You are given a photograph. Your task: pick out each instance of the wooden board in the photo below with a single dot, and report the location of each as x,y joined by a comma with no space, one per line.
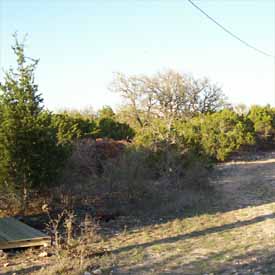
14,233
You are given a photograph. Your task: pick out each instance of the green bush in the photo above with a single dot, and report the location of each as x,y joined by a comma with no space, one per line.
109,128
70,128
31,157
160,133
263,119
218,135
106,112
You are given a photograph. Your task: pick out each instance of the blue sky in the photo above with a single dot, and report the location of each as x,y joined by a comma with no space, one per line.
82,43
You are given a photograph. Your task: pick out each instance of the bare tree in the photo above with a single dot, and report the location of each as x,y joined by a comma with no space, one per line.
168,95
241,109
204,96
131,88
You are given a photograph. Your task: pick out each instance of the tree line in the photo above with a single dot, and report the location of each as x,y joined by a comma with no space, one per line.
164,113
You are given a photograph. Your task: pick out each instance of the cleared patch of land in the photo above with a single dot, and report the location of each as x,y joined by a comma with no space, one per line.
234,235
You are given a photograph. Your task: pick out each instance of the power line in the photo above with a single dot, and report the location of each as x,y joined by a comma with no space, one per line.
229,32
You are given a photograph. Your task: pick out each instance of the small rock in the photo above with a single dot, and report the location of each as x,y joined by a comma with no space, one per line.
6,264
45,244
97,272
87,273
43,254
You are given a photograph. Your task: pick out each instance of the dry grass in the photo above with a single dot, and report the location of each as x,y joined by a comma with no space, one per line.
235,235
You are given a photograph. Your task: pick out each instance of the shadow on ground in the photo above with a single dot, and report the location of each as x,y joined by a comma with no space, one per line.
195,234
236,185
255,262
233,186
23,271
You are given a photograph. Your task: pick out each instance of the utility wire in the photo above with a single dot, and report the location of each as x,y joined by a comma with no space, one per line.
229,32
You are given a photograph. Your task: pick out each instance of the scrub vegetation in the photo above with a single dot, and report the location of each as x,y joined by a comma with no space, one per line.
148,188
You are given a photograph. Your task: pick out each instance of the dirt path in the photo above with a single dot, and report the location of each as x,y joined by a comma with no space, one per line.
238,239
247,183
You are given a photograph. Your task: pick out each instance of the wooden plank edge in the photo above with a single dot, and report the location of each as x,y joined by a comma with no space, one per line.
28,240
30,243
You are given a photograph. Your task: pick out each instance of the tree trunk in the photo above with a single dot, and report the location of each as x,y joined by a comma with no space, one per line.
25,198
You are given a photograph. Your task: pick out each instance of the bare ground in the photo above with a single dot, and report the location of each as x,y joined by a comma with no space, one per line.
235,235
